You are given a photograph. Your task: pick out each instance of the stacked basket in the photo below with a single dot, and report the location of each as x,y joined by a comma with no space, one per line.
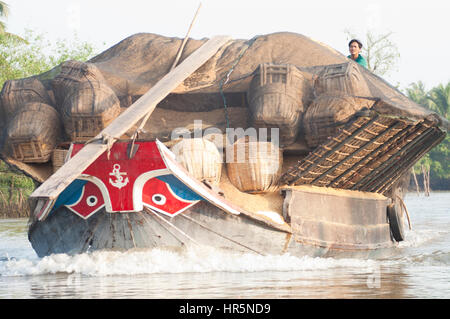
254,166
327,114
275,100
199,157
33,133
86,102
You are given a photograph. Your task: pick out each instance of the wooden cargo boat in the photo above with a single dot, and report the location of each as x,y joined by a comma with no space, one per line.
331,186
152,201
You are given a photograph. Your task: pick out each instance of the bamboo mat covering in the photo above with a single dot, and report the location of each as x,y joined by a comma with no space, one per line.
369,154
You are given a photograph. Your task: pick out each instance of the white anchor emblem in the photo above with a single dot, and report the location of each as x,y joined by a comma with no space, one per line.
119,182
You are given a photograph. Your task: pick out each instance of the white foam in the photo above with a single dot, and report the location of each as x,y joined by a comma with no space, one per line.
418,237
192,260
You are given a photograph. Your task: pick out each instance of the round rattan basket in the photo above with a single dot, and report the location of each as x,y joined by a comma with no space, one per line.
200,157
253,166
275,99
33,133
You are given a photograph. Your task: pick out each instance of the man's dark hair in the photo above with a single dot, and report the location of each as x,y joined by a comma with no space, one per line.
357,41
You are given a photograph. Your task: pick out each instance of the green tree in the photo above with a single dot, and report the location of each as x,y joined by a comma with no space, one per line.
418,93
36,54
4,10
438,159
20,58
439,99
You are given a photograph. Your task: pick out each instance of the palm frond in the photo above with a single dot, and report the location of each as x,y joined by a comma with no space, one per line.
4,9
440,99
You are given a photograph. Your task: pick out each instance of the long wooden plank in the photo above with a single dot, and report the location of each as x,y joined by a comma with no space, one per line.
53,186
166,85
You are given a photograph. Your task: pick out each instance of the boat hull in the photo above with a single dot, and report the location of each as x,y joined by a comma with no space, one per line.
202,224
150,201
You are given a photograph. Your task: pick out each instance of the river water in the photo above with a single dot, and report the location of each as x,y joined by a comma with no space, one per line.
418,268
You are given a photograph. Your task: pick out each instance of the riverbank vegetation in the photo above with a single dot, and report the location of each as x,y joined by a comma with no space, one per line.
14,191
432,172
23,56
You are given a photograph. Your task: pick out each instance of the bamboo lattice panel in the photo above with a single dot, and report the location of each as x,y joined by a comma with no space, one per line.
368,154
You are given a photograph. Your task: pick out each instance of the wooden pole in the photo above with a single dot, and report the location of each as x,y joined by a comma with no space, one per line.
426,186
180,50
415,181
131,151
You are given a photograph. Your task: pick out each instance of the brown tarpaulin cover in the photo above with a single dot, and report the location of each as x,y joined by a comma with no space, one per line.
135,64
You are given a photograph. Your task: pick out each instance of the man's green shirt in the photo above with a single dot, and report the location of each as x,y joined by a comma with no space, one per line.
360,59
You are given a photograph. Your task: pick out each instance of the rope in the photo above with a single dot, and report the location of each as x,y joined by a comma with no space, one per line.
226,78
177,58
223,236
105,139
173,226
402,203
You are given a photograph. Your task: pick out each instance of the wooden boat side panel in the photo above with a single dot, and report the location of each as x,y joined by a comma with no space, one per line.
242,233
203,224
72,234
356,222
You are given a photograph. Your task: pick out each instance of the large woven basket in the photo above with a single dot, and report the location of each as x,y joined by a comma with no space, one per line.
343,78
275,99
252,166
327,114
86,102
200,157
71,74
16,93
88,108
33,133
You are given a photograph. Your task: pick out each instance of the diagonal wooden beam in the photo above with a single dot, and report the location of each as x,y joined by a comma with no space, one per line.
53,186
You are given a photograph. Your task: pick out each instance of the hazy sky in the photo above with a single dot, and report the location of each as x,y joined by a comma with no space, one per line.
421,28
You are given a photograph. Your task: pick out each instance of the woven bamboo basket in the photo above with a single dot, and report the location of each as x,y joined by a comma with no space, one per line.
71,74
33,133
200,157
275,99
252,166
344,78
58,158
16,93
327,114
88,109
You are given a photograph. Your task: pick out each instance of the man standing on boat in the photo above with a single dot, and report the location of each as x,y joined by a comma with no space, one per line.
355,47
